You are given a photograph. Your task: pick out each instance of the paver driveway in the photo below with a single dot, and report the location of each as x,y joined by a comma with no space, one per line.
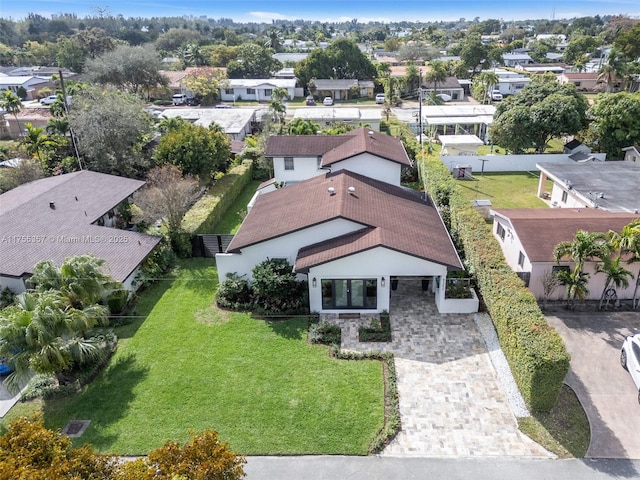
451,403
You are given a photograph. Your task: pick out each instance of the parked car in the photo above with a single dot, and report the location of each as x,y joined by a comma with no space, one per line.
5,369
179,99
51,99
444,97
630,358
380,98
328,101
310,101
193,101
496,95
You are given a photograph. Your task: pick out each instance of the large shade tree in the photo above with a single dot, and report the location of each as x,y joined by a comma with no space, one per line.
541,111
111,128
253,61
343,59
614,124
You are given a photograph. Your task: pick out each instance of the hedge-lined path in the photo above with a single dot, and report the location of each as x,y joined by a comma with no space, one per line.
451,403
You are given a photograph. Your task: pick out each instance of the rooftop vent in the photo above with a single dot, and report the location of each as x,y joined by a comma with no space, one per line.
52,205
371,133
331,190
352,190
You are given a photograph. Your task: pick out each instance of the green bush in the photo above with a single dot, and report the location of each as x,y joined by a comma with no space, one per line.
325,333
276,290
209,210
117,301
536,354
181,243
379,331
157,263
234,293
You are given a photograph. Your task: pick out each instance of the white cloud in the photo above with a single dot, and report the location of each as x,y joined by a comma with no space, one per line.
269,16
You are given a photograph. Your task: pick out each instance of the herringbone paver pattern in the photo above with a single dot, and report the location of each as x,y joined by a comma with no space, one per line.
450,399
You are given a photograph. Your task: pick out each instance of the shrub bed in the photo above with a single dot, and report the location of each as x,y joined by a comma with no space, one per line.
209,210
325,333
379,331
536,353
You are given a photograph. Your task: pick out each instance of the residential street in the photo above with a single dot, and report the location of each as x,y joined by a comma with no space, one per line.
392,468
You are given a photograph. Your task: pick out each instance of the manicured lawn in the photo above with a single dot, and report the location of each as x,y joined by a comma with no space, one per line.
230,222
505,190
184,365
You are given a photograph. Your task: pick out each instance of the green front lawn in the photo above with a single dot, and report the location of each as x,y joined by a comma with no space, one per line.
505,190
184,365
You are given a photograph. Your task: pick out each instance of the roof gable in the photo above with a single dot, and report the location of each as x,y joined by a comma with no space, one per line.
391,216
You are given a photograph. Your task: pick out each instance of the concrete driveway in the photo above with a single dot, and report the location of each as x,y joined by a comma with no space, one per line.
605,389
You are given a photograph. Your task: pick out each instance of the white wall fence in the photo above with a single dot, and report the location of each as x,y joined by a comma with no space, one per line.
507,163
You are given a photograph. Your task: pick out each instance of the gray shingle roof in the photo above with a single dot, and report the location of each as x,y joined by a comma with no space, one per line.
32,231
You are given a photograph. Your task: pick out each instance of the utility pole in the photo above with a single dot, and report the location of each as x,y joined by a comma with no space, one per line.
66,111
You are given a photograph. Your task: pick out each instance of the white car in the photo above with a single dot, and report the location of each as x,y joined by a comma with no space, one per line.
444,97
380,98
328,101
496,96
51,99
630,358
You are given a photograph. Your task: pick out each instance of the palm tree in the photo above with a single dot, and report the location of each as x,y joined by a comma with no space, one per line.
485,82
613,72
274,39
43,334
12,104
617,275
436,74
58,126
35,142
628,242
577,286
585,246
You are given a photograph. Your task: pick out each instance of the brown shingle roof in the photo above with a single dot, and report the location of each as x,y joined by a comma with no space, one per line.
32,231
335,148
391,216
541,229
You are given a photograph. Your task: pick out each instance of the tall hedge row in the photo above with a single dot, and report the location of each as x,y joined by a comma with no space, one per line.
535,351
208,211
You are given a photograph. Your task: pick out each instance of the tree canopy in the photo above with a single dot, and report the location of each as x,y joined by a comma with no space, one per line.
615,123
541,111
340,60
195,150
253,61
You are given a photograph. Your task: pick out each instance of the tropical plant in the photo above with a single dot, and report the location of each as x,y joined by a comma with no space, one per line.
585,246
42,333
482,84
10,103
35,142
437,74
627,241
617,275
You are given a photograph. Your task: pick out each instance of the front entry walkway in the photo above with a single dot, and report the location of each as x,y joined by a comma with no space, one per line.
451,403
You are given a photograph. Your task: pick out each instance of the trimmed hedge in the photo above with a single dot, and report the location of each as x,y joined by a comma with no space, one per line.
207,212
536,353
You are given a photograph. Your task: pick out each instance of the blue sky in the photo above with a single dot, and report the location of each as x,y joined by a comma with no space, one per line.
330,10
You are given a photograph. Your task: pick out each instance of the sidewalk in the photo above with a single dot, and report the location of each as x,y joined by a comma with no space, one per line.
392,468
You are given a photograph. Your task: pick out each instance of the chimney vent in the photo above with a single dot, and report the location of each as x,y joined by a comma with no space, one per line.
52,205
352,190
331,190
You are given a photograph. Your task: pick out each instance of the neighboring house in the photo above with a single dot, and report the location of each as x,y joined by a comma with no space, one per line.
554,57
237,123
258,89
509,83
458,119
175,79
349,236
590,183
513,59
632,154
65,216
556,68
30,83
528,237
584,82
327,116
373,154
37,116
451,86
285,57
342,89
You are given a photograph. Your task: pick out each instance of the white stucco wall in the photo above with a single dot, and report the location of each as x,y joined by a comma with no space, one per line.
509,163
512,246
286,246
303,169
371,264
371,166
